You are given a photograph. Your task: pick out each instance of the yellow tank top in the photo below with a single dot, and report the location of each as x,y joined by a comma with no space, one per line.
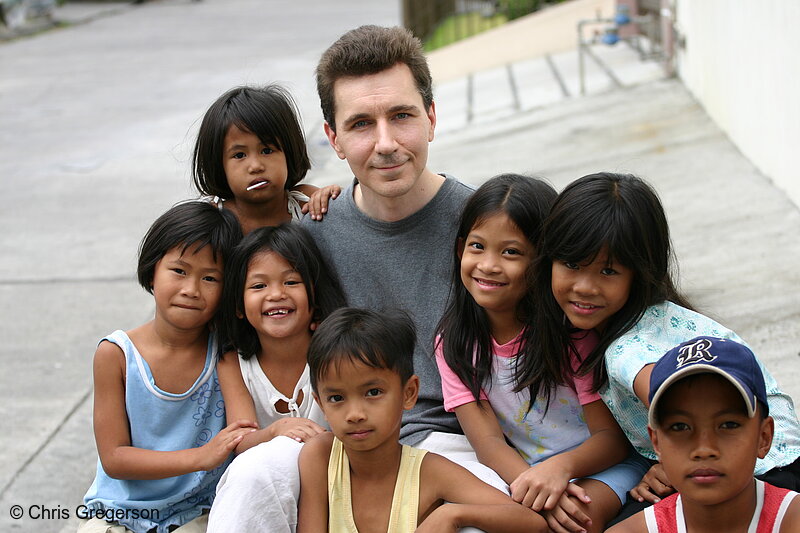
405,502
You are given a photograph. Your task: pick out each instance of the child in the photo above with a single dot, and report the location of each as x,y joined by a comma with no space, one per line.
360,478
491,367
612,274
250,154
278,289
708,422
159,420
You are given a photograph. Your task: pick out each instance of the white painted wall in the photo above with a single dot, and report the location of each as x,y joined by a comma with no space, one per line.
742,62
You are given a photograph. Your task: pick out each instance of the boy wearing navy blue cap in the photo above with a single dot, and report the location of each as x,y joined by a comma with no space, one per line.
709,421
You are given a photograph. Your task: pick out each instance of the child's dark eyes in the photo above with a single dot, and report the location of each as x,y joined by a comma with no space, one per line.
293,282
210,278
570,265
475,245
374,392
730,424
334,398
267,150
679,426
512,251
179,271
258,285
238,155
608,271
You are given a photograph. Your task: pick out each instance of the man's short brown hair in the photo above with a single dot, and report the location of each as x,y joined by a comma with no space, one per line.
369,50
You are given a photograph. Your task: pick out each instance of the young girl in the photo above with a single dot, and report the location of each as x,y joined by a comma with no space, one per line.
605,258
158,412
279,288
249,156
503,389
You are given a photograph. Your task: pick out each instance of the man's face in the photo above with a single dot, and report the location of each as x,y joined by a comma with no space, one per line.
382,129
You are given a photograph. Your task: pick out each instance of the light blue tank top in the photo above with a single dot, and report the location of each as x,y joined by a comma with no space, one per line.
163,421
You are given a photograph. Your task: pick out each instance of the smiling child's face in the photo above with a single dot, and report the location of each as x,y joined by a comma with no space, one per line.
706,442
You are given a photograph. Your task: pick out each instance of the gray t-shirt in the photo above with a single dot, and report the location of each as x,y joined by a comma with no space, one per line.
406,265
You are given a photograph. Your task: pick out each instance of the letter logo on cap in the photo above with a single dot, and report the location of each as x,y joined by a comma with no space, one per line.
695,353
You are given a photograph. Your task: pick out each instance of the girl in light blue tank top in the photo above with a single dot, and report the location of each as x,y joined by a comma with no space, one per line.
159,417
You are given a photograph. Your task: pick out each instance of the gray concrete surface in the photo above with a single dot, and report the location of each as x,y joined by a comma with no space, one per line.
97,123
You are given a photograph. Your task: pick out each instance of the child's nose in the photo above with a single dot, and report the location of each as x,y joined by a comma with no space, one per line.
190,287
705,445
585,285
256,165
489,264
355,413
275,291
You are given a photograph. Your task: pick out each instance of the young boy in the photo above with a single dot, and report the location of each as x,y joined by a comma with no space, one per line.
359,477
709,421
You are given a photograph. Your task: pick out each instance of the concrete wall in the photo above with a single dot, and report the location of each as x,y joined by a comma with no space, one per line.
742,62
549,31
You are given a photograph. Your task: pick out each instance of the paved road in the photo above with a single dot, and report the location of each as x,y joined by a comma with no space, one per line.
97,127
98,121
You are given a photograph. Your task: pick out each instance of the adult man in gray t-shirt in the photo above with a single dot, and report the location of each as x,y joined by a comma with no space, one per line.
390,237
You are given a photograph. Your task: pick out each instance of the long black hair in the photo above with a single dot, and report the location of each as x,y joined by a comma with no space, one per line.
622,213
464,331
297,247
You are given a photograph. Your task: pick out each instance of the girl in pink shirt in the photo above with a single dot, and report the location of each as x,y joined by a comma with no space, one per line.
489,376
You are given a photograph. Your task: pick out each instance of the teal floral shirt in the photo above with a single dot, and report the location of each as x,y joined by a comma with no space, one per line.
662,327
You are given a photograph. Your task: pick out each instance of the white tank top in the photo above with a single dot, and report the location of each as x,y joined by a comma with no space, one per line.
265,395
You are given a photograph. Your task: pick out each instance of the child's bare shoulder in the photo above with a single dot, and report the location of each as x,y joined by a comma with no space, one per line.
108,357
633,524
791,520
318,447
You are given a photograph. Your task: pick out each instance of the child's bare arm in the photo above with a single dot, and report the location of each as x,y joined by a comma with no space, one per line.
121,460
239,406
313,504
542,485
480,425
473,502
318,199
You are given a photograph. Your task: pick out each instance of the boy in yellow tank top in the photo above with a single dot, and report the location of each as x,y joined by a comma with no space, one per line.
359,478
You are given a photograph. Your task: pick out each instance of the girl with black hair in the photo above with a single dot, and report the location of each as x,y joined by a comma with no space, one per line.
538,428
250,156
605,264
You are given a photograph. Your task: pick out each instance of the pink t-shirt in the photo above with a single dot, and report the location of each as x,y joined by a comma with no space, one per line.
538,429
457,394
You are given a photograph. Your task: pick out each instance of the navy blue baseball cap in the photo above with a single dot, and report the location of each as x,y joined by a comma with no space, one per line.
710,355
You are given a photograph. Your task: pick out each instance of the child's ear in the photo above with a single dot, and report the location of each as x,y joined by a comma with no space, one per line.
410,392
765,436
654,439
460,248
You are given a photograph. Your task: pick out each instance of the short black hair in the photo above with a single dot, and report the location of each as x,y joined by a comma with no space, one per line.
267,112
187,224
297,247
383,340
